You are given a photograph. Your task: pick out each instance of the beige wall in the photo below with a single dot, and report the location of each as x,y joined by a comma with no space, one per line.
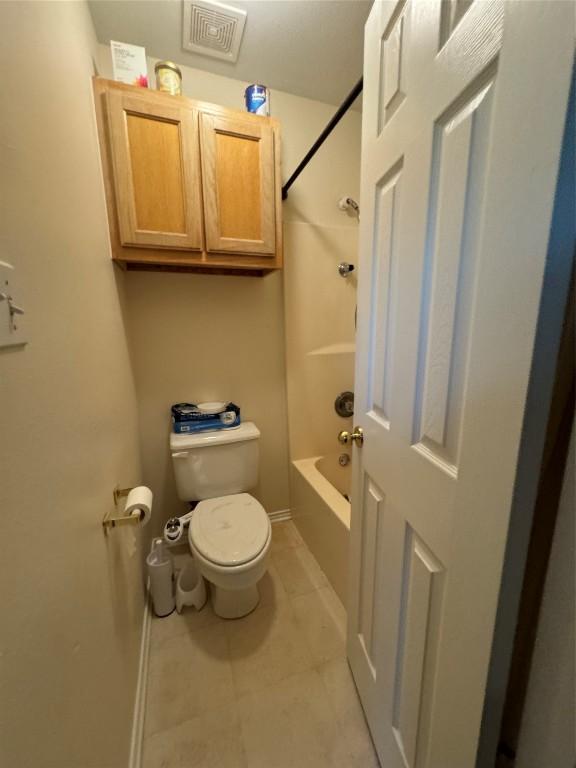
72,600
208,337
213,337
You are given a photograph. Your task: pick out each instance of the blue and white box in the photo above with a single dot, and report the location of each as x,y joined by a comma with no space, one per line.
188,417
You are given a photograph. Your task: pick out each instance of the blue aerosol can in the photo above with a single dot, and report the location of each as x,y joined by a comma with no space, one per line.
257,98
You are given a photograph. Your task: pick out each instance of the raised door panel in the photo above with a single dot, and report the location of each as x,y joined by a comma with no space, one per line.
238,185
155,153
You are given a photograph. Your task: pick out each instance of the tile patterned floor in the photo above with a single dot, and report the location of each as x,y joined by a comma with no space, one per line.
271,690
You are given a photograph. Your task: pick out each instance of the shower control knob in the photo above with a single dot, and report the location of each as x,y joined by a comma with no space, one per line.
344,268
357,436
344,404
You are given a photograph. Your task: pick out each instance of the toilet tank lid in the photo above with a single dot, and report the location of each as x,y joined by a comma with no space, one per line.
183,442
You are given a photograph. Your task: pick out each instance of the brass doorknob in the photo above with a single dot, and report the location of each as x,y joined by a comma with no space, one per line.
357,436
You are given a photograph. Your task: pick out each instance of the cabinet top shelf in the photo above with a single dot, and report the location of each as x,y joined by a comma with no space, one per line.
160,97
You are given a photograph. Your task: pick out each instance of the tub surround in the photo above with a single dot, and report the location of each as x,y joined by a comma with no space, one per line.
320,310
320,307
322,515
338,475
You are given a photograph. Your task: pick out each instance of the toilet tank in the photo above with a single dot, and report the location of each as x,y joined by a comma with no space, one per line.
210,464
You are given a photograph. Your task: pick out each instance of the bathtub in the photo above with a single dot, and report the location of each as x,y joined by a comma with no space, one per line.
321,512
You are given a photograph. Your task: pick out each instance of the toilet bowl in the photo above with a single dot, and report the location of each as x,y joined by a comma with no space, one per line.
229,532
229,537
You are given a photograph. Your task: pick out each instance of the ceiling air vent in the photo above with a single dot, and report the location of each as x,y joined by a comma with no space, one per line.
213,29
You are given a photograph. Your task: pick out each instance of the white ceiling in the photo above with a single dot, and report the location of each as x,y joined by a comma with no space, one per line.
311,48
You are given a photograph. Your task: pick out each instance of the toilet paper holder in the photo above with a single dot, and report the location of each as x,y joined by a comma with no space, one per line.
111,520
120,493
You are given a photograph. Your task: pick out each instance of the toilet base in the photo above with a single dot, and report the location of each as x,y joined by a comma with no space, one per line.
234,603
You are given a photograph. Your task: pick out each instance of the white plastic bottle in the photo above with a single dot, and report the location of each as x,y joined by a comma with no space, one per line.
161,571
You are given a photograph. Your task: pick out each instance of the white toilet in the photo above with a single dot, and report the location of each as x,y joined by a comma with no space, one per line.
229,532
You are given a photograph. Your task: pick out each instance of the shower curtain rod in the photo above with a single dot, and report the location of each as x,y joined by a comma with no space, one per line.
339,114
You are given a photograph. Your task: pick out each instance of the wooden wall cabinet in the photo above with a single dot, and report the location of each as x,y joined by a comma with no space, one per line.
156,167
238,183
189,185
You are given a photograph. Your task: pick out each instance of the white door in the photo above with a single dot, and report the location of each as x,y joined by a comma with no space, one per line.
464,106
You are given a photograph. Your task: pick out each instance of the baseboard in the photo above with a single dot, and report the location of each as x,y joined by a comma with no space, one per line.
137,738
280,515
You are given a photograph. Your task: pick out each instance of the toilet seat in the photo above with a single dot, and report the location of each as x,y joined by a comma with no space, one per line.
229,530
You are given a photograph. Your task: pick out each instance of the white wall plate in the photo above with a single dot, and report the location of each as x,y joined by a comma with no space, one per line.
12,331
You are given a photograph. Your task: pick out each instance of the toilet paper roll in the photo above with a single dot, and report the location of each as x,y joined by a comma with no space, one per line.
139,502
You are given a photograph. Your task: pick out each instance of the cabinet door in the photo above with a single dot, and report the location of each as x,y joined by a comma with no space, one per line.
155,152
238,184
